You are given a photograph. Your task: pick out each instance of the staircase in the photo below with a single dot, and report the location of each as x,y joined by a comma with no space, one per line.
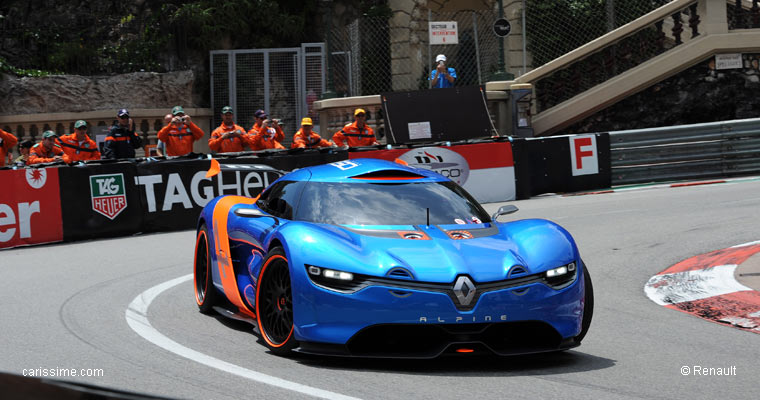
637,55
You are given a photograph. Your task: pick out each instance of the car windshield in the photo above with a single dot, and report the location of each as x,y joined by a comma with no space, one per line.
366,203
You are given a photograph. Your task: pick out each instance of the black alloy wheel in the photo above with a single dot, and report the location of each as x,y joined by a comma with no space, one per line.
274,303
205,294
588,304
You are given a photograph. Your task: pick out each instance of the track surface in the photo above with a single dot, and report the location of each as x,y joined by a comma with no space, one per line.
63,306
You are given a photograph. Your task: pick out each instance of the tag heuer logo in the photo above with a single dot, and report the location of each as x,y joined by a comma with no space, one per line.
109,196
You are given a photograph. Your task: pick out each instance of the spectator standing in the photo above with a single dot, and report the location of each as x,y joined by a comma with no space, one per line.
47,150
229,136
23,150
357,133
122,140
266,133
442,76
179,136
7,141
160,146
307,138
78,146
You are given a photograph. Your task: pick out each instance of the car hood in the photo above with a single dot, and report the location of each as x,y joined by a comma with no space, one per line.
489,255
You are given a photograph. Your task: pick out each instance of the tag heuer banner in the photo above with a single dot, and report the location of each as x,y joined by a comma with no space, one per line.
109,196
99,201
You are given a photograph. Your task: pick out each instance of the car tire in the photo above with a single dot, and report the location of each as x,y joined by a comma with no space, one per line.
588,304
206,295
274,303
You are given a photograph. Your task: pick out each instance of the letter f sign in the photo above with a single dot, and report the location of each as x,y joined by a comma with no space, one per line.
583,155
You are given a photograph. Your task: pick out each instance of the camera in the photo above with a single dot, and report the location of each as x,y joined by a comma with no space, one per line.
276,121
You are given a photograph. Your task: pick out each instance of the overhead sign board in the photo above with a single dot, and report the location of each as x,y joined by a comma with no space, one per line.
443,32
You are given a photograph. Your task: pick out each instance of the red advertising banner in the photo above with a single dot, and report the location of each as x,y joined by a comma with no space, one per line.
30,207
485,170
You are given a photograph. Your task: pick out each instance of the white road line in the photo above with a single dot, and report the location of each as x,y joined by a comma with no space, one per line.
137,318
746,244
693,285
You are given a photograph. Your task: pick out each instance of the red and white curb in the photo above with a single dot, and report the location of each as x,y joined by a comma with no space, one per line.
704,286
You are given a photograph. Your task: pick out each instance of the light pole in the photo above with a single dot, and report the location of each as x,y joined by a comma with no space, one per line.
330,91
501,74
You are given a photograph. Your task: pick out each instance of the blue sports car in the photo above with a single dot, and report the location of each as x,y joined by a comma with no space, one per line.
371,258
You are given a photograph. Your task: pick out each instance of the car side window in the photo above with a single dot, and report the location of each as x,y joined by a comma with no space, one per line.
281,198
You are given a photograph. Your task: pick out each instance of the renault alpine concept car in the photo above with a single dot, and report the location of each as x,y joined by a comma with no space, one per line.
372,258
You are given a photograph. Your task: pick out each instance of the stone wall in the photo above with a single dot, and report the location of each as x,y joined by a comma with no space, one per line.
697,95
74,93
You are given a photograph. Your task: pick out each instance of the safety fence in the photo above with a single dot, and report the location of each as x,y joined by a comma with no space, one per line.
373,55
103,199
553,30
718,149
283,81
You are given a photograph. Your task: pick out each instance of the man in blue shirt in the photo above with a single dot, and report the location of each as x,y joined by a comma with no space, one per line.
442,76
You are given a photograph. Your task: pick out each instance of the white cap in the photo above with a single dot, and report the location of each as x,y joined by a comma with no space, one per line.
440,57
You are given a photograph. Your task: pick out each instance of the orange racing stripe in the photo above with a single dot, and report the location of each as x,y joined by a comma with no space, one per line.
222,248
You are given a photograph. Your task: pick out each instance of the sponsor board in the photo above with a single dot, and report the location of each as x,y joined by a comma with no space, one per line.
30,207
108,194
485,170
168,192
173,194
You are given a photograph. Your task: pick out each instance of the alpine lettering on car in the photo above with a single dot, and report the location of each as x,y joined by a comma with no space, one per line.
473,318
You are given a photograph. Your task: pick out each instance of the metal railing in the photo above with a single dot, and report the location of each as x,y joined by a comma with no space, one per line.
717,149
668,27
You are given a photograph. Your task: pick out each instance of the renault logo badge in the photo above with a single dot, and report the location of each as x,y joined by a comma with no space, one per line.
464,289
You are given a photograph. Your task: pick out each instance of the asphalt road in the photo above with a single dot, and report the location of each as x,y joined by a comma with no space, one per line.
63,306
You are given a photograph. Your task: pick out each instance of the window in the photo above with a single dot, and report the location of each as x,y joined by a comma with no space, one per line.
281,198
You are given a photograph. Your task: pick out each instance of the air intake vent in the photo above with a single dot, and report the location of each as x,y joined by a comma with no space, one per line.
516,271
459,235
399,273
416,236
390,174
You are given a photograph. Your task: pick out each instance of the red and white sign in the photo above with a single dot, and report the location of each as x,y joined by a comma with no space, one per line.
30,207
443,32
584,159
485,170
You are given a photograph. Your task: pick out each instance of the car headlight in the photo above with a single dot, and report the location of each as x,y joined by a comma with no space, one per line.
562,276
331,273
561,270
332,279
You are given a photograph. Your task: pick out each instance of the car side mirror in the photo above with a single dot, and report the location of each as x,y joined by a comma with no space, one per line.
255,213
504,210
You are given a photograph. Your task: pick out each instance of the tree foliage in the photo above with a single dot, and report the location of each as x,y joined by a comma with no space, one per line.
91,37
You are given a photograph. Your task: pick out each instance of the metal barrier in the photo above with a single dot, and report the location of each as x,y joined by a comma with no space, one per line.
285,82
716,149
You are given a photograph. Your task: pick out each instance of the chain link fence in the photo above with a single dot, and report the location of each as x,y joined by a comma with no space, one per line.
554,30
372,55
285,82
375,55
